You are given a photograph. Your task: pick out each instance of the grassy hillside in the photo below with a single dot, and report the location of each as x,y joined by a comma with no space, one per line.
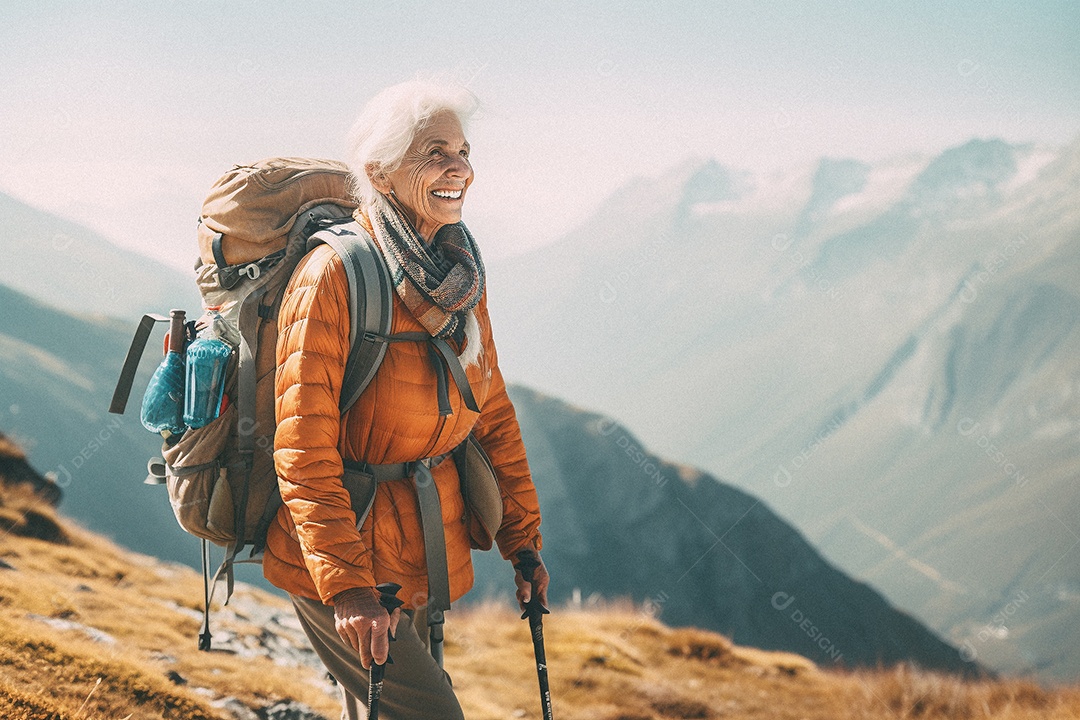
89,631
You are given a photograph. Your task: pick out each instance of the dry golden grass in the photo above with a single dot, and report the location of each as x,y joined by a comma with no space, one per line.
45,677
150,610
614,664
606,663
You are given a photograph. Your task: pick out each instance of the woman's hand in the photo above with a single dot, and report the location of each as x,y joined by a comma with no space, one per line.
364,624
539,584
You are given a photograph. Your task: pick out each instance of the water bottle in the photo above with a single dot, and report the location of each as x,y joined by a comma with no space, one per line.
163,402
207,360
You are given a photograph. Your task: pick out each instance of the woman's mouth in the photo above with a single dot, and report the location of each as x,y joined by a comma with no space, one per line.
447,194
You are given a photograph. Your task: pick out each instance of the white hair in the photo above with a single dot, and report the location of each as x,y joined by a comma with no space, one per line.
388,123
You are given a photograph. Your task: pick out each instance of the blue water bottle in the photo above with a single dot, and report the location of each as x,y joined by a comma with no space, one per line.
163,402
207,361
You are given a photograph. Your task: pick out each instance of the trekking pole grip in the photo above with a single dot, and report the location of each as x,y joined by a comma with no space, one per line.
389,600
526,564
177,332
535,611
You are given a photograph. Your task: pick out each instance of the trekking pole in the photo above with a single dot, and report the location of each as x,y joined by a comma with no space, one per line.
388,599
535,611
204,633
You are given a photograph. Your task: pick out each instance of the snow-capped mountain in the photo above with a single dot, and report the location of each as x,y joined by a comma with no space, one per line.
817,337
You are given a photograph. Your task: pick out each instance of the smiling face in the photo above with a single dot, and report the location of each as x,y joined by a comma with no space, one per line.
430,184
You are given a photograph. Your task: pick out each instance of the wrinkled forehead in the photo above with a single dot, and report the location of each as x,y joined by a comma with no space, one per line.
442,128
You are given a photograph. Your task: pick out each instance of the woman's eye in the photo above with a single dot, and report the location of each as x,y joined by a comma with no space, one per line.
435,152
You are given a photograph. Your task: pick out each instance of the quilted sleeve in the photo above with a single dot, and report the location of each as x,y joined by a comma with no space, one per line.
313,344
498,432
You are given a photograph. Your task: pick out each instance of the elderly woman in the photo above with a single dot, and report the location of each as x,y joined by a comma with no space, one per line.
410,162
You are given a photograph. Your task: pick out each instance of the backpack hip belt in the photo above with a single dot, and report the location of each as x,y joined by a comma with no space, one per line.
392,471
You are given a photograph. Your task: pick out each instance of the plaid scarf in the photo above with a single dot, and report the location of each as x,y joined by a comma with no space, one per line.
440,283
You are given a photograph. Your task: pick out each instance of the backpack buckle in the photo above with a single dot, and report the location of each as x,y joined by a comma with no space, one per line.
229,276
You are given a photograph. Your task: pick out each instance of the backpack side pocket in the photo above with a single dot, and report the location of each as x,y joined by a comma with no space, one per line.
196,475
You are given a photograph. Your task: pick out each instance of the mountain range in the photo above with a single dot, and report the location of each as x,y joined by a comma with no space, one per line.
884,352
887,353
621,522
703,552
57,373
71,267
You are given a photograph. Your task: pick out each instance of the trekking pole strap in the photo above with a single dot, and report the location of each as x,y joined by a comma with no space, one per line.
131,362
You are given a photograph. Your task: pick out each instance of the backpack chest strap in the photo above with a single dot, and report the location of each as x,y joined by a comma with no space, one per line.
443,359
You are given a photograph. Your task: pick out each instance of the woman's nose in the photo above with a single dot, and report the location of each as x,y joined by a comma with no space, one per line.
460,168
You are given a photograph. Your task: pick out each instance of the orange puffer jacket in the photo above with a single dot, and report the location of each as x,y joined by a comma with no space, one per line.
314,549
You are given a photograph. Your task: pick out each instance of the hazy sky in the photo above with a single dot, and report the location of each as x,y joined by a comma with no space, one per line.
121,115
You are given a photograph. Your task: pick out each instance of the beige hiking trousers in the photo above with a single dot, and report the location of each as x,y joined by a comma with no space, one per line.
414,688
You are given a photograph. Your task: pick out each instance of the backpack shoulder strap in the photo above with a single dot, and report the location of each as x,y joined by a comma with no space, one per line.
370,304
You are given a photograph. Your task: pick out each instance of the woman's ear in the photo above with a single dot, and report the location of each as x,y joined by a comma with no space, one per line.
378,178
